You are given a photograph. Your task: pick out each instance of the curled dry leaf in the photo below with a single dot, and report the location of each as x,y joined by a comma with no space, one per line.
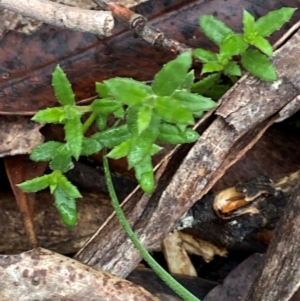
18,135
41,274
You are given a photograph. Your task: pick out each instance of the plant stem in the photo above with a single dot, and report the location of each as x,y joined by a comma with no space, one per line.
165,276
88,122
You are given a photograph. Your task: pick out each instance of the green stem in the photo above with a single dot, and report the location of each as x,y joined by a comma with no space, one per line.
165,276
84,109
88,122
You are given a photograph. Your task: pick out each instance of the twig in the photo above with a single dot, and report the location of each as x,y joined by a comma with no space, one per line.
97,22
138,24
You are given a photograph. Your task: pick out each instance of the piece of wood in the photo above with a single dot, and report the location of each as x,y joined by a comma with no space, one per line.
246,112
279,278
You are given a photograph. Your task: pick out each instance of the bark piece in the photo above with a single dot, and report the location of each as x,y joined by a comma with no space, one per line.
279,278
41,274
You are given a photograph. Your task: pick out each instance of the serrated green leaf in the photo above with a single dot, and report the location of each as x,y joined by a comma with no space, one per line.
273,21
35,184
50,115
206,83
132,116
233,69
217,92
113,136
120,150
214,29
171,134
188,80
249,26
45,151
127,90
143,118
194,102
212,67
102,90
169,78
258,64
74,136
62,159
105,106
233,45
62,87
169,109
141,145
68,188
205,56
66,207
101,121
263,45
147,181
90,146
144,174
155,149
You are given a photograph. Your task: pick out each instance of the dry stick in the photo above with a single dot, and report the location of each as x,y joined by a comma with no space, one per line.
96,22
138,23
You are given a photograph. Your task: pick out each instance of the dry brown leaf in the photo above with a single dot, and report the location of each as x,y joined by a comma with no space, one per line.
41,274
18,135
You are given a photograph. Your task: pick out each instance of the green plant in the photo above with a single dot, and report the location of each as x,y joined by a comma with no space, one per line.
144,115
231,45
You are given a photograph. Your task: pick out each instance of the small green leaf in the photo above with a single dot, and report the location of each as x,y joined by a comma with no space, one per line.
205,55
127,90
101,121
155,149
62,87
171,134
233,69
194,102
68,188
102,90
169,78
90,146
141,145
144,118
233,45
212,67
45,151
273,21
214,29
62,159
263,45
35,184
144,174
120,150
188,80
50,115
113,136
147,181
119,114
105,106
66,207
170,110
206,83
249,26
217,92
74,136
258,64
132,116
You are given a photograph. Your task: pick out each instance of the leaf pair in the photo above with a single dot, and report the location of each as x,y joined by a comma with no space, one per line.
63,191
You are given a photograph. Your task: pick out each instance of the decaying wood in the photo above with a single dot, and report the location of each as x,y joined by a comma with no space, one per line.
97,22
246,112
279,278
51,233
44,275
